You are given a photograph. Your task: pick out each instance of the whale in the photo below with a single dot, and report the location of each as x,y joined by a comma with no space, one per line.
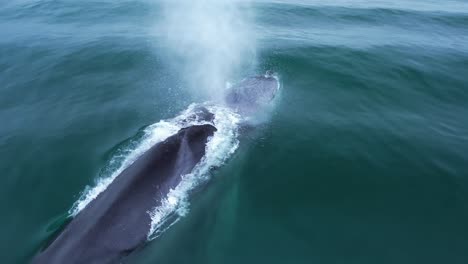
117,221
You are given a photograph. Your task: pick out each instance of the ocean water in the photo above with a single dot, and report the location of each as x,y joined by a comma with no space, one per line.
363,159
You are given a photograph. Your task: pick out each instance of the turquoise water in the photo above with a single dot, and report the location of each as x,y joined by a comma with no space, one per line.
363,160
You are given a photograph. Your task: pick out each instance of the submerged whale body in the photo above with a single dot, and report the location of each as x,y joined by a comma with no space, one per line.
253,93
117,221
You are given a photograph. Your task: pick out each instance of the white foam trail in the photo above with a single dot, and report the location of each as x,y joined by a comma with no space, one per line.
218,148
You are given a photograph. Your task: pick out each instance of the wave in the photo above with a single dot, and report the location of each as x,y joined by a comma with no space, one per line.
451,6
331,15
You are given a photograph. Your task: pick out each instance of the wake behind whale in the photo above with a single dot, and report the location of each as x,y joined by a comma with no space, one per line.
135,203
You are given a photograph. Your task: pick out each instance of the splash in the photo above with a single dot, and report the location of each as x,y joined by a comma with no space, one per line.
209,42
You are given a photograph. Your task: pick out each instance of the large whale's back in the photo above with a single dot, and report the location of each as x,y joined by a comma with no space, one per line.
117,221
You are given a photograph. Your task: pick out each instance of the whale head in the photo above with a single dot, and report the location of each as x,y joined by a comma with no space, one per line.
253,93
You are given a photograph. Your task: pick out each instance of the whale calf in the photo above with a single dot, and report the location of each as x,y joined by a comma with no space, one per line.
117,221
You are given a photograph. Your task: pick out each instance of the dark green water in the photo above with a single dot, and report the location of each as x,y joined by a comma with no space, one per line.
364,160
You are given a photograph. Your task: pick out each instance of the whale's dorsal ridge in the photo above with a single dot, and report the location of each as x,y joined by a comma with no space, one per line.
117,220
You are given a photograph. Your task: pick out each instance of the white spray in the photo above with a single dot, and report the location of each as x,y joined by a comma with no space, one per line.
209,42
